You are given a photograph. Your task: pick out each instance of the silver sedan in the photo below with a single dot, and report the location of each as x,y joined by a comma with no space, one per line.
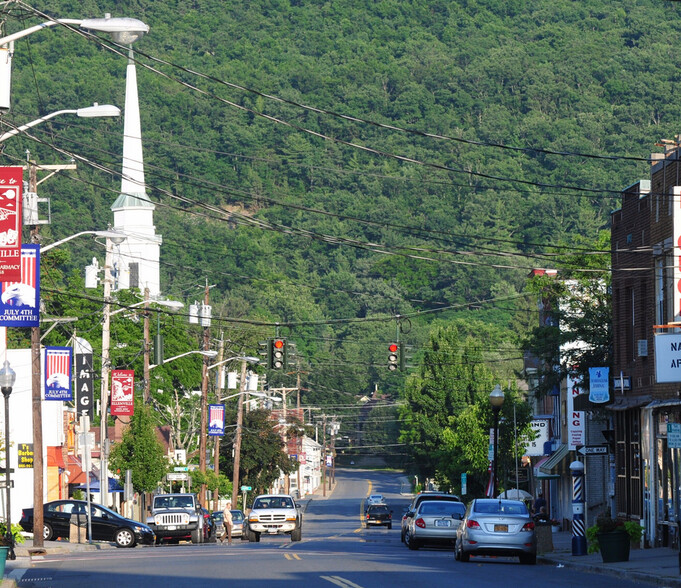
493,526
435,521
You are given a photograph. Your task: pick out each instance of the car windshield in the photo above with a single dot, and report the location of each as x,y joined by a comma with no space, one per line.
173,502
237,516
273,502
500,507
378,510
441,508
376,498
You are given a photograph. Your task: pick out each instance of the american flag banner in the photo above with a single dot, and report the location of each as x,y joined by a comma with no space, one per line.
216,419
489,490
20,300
58,373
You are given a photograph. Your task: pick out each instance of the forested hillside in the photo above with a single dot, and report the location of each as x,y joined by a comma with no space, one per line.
331,165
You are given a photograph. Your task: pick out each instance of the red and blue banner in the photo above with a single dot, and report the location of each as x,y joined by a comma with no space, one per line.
20,299
216,419
11,200
58,373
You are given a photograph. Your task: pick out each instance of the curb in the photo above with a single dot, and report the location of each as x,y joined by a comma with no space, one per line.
615,572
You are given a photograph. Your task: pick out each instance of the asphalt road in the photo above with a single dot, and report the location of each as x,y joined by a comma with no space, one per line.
335,551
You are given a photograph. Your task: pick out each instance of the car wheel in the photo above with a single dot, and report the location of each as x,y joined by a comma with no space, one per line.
412,543
402,535
296,534
197,535
124,538
530,559
463,556
48,533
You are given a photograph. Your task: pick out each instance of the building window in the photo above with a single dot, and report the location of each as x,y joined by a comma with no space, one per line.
664,288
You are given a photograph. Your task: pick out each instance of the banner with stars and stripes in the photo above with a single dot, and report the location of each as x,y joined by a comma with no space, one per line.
216,419
58,373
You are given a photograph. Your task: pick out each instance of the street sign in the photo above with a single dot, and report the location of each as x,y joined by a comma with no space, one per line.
246,488
464,480
176,476
593,450
674,435
181,469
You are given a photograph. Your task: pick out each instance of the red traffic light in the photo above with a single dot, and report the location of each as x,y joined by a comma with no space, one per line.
278,344
392,348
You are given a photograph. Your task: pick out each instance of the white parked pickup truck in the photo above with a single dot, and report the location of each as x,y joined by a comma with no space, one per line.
275,514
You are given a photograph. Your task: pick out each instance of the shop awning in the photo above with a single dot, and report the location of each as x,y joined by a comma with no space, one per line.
55,458
554,460
114,486
538,474
628,402
76,475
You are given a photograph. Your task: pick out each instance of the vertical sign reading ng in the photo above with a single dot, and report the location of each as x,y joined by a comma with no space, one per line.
20,299
58,373
122,386
11,182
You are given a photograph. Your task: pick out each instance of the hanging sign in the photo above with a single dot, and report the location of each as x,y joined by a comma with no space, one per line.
576,418
599,384
84,377
58,373
122,386
20,299
11,184
216,419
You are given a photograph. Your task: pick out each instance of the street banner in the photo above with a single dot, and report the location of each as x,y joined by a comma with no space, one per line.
576,418
599,384
11,184
84,377
58,373
216,419
20,299
122,386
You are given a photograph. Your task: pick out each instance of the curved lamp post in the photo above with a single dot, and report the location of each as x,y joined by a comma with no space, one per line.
94,111
7,378
496,399
122,30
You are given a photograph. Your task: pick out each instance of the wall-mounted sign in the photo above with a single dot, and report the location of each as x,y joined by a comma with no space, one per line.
541,428
25,455
668,358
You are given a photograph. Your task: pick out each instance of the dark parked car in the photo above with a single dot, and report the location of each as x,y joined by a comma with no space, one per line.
379,514
107,525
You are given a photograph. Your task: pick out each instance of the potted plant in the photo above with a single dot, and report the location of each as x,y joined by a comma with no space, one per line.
612,537
17,537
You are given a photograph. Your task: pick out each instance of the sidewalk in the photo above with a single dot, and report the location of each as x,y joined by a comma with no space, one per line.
658,566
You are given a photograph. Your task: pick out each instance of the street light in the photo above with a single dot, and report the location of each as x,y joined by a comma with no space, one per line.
7,378
496,399
209,354
94,111
122,30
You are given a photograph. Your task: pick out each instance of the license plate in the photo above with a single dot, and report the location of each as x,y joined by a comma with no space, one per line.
501,528
443,523
171,527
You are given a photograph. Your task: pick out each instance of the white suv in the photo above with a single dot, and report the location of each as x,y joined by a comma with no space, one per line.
274,514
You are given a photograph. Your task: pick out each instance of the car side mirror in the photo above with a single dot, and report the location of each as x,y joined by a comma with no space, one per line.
299,505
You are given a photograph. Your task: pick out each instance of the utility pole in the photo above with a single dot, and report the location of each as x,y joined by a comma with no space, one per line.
216,455
36,375
204,400
324,455
147,348
237,435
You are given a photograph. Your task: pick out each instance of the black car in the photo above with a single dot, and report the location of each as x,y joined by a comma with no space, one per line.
106,524
379,514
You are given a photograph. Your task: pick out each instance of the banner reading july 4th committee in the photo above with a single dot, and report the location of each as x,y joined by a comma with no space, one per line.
11,184
20,300
58,373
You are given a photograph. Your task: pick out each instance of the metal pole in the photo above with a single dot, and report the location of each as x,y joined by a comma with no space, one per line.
515,445
204,404
6,391
496,448
216,455
147,346
237,435
106,366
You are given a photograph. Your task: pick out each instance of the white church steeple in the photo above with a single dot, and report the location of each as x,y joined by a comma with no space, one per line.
136,263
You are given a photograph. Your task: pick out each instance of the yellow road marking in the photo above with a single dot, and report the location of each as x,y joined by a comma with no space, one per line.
291,556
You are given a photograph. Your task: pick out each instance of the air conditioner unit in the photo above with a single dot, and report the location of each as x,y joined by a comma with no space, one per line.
642,345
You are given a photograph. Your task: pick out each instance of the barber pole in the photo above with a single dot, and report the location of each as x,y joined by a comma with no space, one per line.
578,525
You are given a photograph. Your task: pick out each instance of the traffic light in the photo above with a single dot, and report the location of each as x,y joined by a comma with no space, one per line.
406,352
291,351
393,356
266,351
278,352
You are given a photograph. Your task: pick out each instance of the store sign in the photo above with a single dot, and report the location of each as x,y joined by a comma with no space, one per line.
25,455
540,427
668,358
576,418
674,435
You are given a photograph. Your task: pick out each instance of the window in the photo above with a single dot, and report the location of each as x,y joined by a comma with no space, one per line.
664,287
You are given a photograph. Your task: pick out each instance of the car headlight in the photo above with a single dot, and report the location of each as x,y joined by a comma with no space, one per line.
140,529
253,519
291,519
